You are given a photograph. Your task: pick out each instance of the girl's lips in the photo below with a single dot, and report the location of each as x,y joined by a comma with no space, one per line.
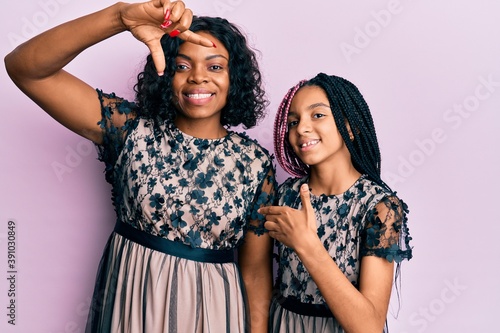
305,146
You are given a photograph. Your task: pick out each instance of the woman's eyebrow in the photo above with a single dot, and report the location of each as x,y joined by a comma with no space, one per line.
207,58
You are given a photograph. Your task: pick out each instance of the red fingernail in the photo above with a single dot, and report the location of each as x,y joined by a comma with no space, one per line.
167,15
174,33
166,24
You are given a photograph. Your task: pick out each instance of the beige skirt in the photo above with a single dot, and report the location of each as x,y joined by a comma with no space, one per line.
146,283
294,319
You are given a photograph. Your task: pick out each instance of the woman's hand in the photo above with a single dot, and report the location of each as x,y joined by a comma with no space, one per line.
149,21
292,227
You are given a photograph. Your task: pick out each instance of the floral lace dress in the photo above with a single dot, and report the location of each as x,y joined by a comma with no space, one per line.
350,228
183,206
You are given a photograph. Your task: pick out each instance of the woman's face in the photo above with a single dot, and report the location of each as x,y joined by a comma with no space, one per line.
201,81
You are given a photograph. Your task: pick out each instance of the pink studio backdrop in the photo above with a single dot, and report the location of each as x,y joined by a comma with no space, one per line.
430,73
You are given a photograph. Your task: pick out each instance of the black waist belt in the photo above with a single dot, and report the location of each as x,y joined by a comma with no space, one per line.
305,309
177,249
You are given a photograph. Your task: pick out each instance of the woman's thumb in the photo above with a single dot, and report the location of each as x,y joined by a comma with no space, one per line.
158,57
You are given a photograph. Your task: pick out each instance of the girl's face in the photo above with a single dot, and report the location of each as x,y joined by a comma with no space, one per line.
201,81
312,131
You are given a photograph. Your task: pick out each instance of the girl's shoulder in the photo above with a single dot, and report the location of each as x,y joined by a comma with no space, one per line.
371,194
369,187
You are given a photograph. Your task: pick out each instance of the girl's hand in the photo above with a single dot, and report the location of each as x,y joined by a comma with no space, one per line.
149,21
289,226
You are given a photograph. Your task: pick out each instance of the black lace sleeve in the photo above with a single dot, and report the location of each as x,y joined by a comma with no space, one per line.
386,233
116,122
264,197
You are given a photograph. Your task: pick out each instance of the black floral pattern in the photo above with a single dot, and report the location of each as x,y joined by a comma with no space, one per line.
204,193
349,227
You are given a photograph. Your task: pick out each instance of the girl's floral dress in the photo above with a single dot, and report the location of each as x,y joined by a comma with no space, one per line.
350,227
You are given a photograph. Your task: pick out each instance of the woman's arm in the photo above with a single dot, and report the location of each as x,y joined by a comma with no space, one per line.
362,310
36,66
255,260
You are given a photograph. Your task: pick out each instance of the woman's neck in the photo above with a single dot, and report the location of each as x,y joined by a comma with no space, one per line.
202,129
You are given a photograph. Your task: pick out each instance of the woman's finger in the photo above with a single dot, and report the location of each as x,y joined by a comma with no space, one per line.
158,57
180,29
192,37
179,14
166,4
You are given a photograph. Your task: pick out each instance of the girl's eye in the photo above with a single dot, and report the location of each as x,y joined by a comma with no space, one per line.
216,67
292,123
318,115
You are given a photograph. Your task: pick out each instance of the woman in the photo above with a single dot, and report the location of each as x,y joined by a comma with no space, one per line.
185,188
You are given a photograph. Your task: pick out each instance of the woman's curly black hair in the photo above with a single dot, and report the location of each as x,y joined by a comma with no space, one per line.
246,101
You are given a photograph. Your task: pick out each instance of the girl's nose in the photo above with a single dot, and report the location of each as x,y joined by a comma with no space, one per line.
303,127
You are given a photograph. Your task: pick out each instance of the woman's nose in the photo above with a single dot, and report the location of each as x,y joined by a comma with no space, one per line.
198,75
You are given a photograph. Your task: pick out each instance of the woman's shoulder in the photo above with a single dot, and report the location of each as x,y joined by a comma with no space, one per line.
120,104
243,140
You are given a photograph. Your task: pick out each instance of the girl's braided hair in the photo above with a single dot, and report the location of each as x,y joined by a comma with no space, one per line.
350,111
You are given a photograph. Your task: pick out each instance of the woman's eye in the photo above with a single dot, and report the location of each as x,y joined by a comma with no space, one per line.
181,67
216,67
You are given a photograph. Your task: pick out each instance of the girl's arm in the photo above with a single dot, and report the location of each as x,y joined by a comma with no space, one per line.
36,66
362,310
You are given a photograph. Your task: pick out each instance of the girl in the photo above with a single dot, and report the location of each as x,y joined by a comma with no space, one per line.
340,228
185,188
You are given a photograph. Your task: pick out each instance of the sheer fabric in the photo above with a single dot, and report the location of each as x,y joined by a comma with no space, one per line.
350,225
193,193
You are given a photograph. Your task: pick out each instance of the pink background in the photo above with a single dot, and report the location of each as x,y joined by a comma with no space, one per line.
424,68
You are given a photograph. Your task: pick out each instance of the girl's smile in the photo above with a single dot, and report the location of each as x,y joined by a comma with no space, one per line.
308,145
312,131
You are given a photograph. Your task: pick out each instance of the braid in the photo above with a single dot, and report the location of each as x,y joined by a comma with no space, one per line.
350,111
284,153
